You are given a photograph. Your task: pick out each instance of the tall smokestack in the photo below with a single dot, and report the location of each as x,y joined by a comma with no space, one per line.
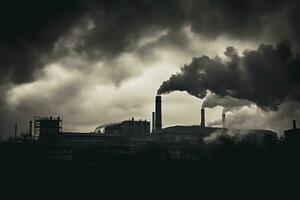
294,124
30,128
153,121
158,118
223,120
202,118
16,130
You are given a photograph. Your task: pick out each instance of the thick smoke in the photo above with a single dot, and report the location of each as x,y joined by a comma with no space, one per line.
251,116
228,103
266,76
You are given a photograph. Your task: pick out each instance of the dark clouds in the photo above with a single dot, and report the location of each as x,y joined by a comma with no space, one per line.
34,34
119,24
266,76
30,29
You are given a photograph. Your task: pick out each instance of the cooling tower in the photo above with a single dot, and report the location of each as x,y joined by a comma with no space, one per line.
158,118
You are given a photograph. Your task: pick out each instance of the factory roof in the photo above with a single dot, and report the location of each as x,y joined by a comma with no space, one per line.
206,131
294,130
80,134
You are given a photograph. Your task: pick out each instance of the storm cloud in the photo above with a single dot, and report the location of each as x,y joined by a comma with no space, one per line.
29,30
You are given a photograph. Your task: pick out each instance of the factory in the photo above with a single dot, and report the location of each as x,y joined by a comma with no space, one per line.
194,135
129,128
292,135
48,130
133,132
131,136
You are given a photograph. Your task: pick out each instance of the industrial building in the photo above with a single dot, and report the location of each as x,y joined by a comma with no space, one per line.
196,133
129,128
292,135
132,136
49,132
46,128
137,132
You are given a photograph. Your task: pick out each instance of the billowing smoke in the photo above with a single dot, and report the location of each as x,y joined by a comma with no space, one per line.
228,103
249,117
266,76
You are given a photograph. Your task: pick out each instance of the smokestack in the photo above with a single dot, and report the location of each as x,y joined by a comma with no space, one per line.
153,121
294,124
16,130
158,118
30,128
223,120
202,118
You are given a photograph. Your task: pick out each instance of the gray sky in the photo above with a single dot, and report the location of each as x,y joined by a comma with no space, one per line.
98,62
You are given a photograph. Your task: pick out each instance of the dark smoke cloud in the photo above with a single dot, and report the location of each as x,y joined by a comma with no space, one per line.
266,76
30,29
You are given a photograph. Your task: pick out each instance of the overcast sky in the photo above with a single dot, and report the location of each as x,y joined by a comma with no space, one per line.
94,62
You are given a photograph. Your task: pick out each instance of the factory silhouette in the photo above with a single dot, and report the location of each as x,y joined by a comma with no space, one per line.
137,149
49,131
132,136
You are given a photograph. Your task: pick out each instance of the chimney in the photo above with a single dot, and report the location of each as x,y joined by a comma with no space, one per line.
202,118
153,121
223,120
16,130
158,118
294,124
30,128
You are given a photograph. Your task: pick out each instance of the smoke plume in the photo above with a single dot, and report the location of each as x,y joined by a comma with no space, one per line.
266,76
228,103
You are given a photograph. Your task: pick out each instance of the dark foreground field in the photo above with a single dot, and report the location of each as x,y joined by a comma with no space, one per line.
223,169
